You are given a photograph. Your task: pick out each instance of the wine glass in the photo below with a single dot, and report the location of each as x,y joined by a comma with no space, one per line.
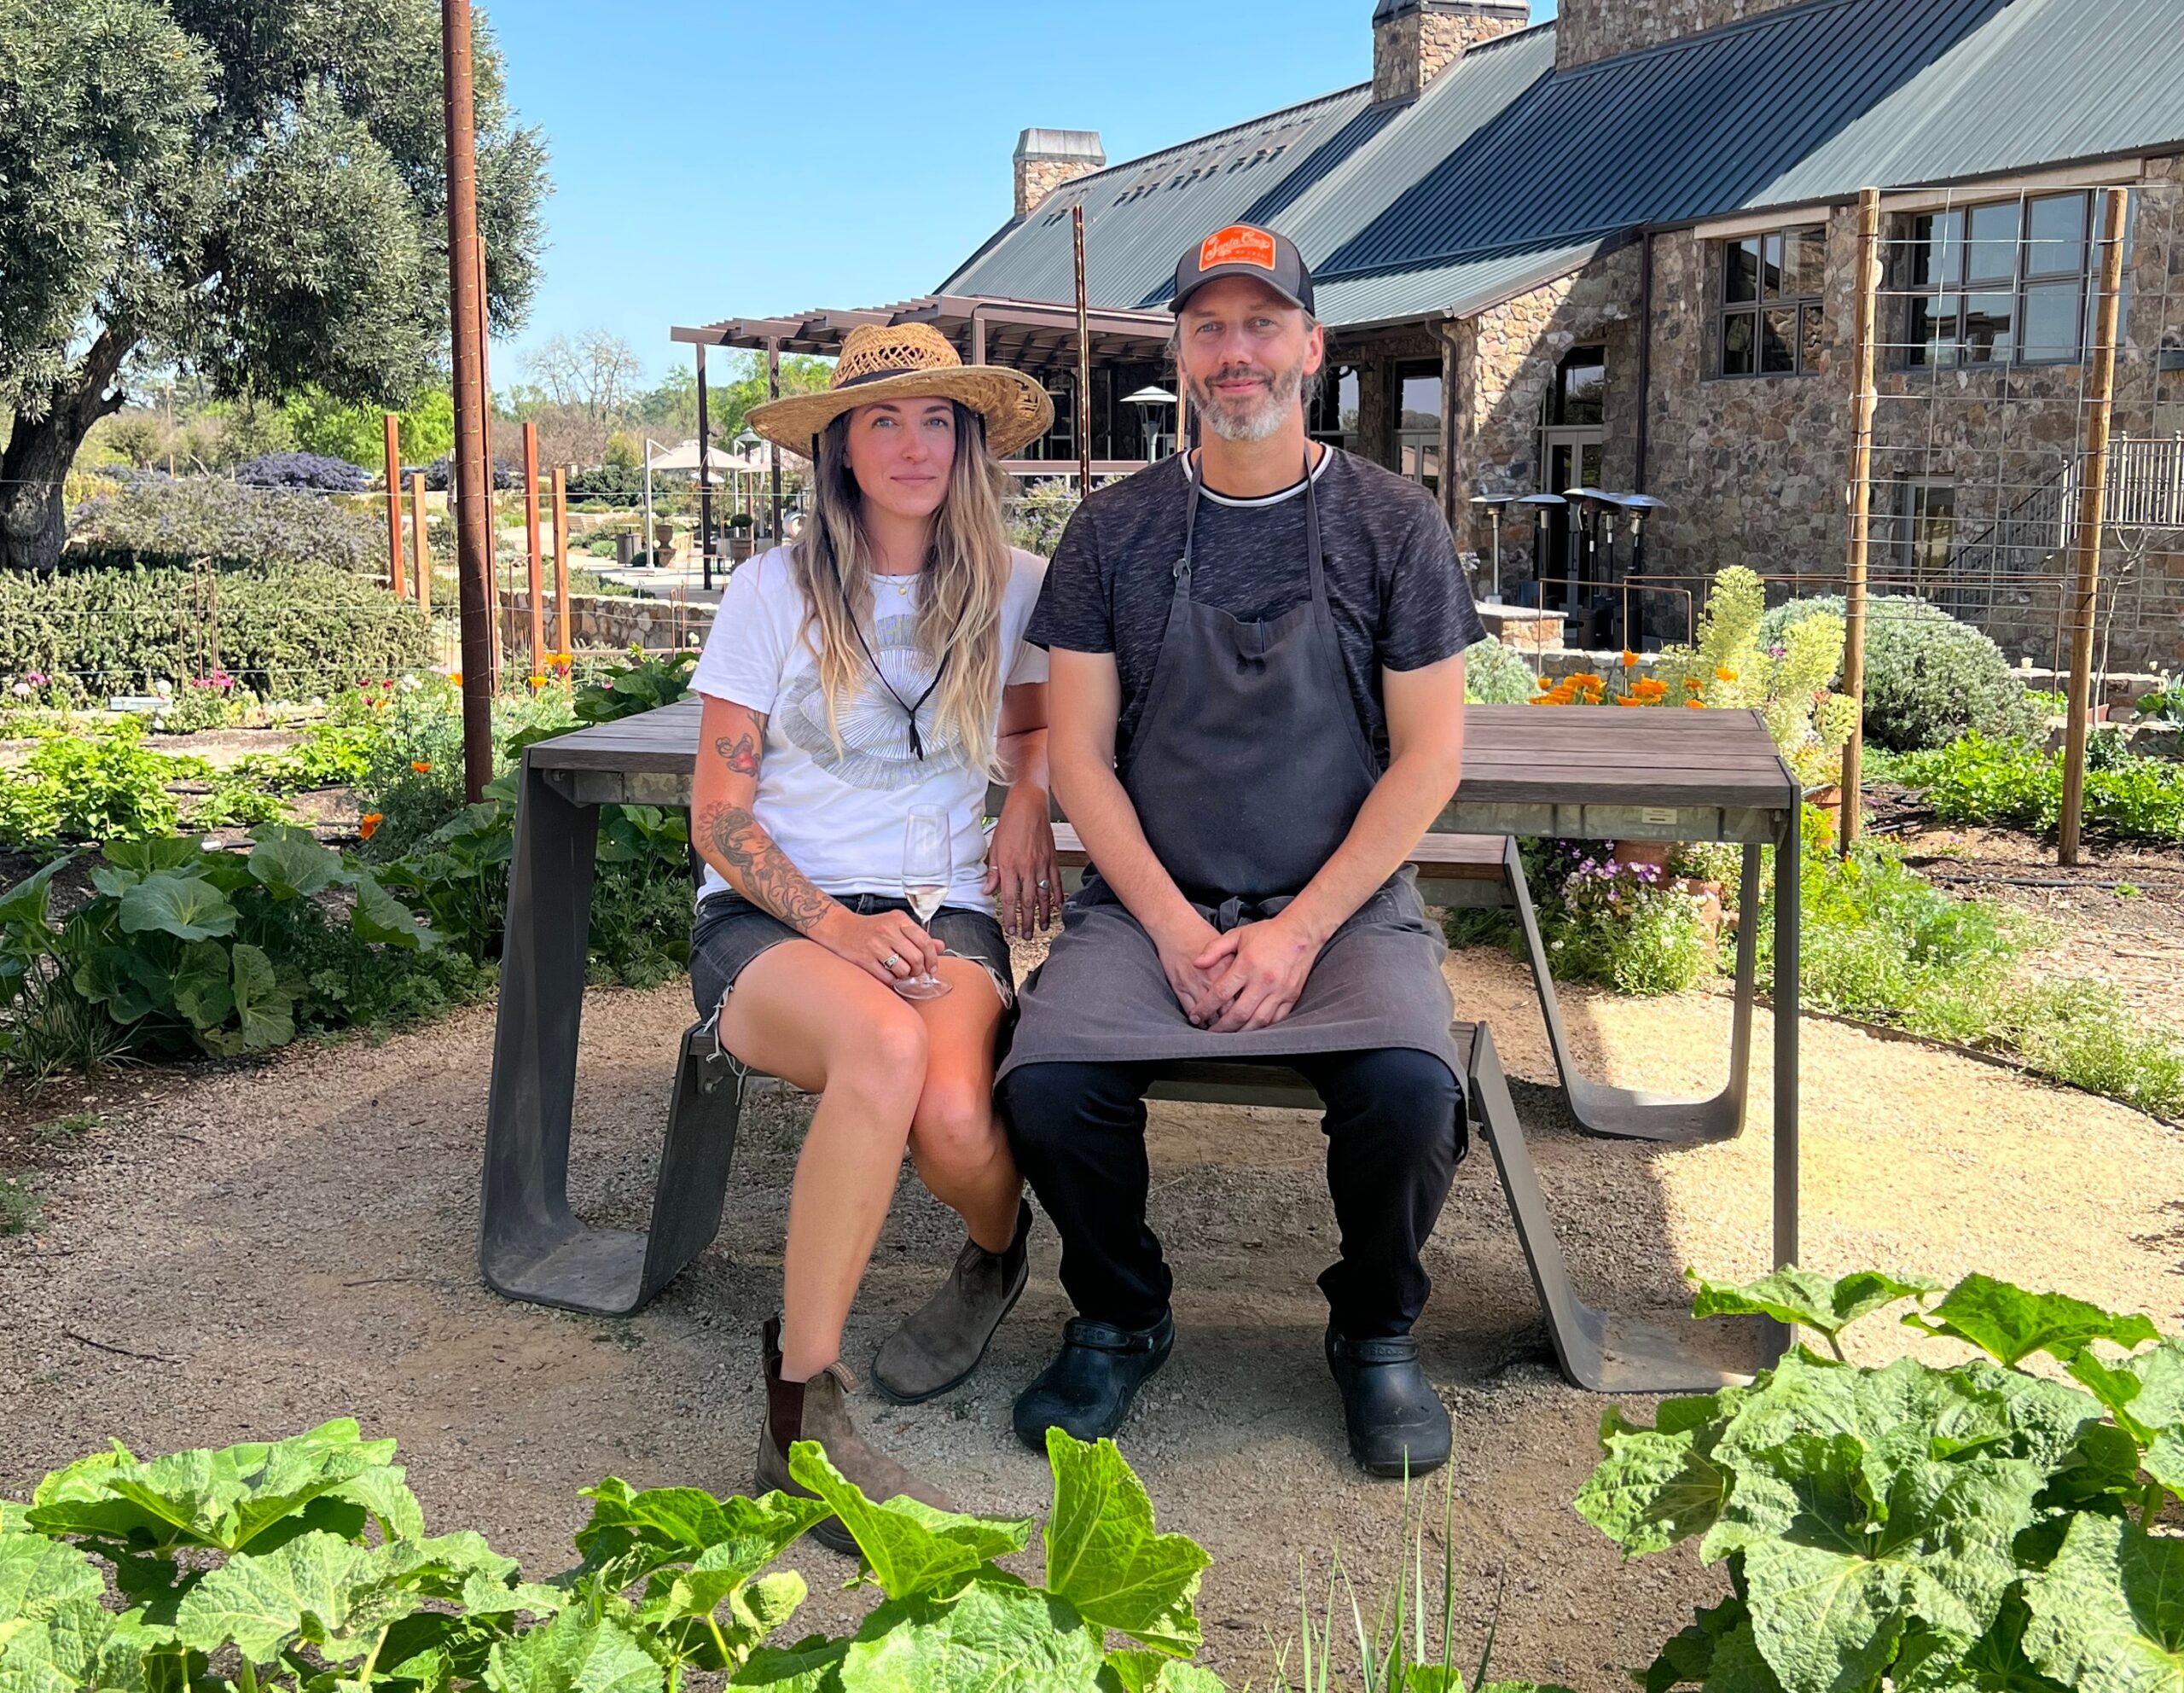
929,866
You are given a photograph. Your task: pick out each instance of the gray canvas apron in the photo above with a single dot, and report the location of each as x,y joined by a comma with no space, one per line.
1246,770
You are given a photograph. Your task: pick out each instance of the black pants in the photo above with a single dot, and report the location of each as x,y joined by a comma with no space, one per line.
1395,1128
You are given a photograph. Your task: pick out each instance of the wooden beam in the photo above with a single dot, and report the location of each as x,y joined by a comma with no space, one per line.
1862,401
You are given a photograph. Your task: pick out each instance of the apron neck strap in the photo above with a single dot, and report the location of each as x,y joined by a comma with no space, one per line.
909,708
1194,475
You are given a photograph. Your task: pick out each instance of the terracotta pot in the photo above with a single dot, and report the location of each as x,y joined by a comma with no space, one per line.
1654,852
1829,800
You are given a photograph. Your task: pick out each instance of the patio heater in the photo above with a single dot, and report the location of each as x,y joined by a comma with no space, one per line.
1596,506
1636,506
746,443
1539,505
1490,506
1147,400
649,445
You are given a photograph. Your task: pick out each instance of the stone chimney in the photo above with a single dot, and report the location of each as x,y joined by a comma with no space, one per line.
1414,41
1586,30
1046,159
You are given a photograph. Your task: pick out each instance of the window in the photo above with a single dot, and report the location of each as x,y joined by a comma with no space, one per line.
2002,283
1771,289
1926,526
1580,392
1333,416
1417,422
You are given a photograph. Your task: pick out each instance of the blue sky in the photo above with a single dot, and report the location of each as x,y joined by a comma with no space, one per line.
713,159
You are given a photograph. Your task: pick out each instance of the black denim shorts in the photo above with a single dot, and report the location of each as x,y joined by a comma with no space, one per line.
730,931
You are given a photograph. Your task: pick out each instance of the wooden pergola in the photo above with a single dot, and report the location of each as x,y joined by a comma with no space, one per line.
1034,336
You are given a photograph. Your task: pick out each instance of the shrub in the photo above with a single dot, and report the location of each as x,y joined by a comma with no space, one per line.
303,470
156,519
2127,795
1037,516
1623,925
1980,1526
289,631
1929,678
1495,676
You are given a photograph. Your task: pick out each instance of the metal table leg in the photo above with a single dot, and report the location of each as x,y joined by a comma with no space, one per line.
1789,921
1633,1114
1597,1350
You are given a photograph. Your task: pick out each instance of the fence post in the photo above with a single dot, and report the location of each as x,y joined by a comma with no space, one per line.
563,646
2093,502
1862,504
419,544
531,539
395,578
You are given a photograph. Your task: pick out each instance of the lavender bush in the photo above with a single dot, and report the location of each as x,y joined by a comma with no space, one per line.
157,519
303,470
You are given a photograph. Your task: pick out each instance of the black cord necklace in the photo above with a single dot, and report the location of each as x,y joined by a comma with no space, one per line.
909,708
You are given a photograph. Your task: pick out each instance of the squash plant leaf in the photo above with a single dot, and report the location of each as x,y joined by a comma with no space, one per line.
290,862
123,979
2108,1615
573,1655
725,1541
200,984
813,1665
318,1590
37,1575
1104,1555
1653,1489
1688,1657
262,1007
187,907
150,854
380,916
996,1637
1828,1304
911,1548
27,903
2010,1325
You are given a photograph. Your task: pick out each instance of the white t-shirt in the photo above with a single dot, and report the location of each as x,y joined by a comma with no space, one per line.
839,815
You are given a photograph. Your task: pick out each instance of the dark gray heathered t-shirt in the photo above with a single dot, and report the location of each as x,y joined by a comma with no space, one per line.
1398,595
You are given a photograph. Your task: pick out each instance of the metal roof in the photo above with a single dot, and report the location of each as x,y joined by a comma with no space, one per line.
1504,162
1454,290
1140,215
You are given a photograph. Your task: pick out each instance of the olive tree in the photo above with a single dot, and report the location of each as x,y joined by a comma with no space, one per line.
253,191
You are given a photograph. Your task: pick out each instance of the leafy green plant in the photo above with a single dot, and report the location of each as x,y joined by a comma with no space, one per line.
1928,677
1626,925
303,1565
19,1208
2163,704
1913,1527
1973,780
1495,675
65,1131
86,788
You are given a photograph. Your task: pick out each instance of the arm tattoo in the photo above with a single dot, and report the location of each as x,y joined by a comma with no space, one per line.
760,870
740,751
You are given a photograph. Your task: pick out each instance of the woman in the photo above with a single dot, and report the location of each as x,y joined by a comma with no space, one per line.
874,667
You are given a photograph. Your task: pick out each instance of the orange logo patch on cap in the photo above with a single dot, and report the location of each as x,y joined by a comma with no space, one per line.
1238,244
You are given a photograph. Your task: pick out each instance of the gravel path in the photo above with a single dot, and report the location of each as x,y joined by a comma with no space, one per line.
295,1240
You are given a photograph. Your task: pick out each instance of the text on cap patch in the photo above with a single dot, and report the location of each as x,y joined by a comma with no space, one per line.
1238,244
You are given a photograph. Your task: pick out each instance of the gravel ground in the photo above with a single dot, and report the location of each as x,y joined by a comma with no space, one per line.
241,1253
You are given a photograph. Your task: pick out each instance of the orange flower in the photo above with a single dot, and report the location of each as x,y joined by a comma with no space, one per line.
1629,659
1722,675
537,682
420,766
1694,705
1627,701
367,825
1691,685
1648,689
455,676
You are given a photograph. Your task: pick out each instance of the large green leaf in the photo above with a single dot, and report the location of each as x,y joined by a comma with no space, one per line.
730,1539
380,917
2011,1324
124,980
151,853
26,905
1688,1658
37,1575
318,1590
290,863
201,986
996,1636
1652,1489
187,907
2108,1615
1828,1303
912,1548
1105,1557
226,1499
813,1665
573,1655
262,1006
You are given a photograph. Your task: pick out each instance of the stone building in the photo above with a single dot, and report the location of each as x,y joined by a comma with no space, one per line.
1618,250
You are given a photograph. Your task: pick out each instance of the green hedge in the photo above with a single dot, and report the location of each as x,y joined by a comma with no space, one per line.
285,630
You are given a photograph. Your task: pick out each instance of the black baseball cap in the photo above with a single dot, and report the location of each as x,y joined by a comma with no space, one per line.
1244,250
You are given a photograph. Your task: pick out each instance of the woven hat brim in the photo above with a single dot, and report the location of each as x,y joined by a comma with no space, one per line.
1016,410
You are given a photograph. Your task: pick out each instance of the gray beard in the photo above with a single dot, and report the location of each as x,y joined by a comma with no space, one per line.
1234,421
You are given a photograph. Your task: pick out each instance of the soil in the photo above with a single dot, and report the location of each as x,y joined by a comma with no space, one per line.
242,1251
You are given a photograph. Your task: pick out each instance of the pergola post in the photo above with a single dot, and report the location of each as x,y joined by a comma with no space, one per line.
773,452
704,477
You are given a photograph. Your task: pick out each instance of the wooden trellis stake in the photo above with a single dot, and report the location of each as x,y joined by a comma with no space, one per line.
1862,504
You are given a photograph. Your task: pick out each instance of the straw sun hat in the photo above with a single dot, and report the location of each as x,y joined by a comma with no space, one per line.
910,361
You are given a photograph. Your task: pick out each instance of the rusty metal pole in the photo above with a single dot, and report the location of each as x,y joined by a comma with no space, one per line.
2093,508
1083,363
473,473
704,477
536,581
563,647
396,578
1862,403
773,452
420,547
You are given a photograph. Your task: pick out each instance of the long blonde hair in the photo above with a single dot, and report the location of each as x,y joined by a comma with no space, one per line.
967,572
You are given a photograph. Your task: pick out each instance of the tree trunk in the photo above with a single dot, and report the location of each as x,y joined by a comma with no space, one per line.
33,517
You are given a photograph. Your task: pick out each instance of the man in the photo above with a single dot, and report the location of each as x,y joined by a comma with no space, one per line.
1256,709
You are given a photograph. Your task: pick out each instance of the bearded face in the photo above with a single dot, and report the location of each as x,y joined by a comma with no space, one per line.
1244,354
1247,400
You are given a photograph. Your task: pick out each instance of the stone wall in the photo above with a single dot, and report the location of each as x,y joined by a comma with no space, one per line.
1586,30
1046,159
1424,37
609,622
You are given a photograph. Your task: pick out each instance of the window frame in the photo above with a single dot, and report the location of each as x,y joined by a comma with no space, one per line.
1754,312
2027,279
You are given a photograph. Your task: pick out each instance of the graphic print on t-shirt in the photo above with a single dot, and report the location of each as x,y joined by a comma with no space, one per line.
875,753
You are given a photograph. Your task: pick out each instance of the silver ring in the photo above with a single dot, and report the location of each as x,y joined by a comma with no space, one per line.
1042,884
892,961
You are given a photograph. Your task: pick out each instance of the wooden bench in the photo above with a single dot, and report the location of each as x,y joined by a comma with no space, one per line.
1605,1353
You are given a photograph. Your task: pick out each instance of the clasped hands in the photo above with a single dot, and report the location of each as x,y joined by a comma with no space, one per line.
1249,978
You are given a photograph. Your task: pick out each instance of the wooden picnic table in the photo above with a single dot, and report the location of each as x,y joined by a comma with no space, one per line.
1574,772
